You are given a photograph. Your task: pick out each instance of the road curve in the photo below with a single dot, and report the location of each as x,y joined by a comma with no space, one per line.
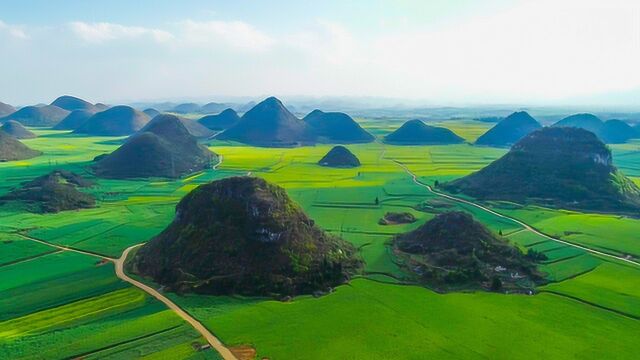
215,167
524,225
119,267
211,339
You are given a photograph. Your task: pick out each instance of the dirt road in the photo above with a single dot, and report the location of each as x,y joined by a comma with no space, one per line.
211,339
119,266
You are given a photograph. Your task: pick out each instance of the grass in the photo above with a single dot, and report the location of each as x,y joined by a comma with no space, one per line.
43,268
609,285
75,312
569,268
371,320
60,305
14,248
51,292
80,310
110,331
608,233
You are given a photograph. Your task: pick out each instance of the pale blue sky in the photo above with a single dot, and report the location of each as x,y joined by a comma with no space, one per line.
442,51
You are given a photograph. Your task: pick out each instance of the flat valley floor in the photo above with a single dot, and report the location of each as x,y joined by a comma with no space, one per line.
61,304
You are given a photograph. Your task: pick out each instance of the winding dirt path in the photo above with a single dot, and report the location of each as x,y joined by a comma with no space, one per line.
211,339
524,225
215,167
120,273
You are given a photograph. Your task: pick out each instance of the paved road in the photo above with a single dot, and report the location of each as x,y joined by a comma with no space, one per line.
524,225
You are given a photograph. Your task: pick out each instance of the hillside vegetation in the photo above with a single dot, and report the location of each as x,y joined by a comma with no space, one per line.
12,149
164,149
339,156
509,130
453,251
53,192
416,132
242,235
558,166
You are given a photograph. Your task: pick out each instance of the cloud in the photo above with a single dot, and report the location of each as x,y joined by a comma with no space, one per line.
528,51
103,32
235,34
523,51
209,34
328,41
13,30
533,50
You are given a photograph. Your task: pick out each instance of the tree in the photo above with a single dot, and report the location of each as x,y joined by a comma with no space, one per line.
534,255
500,232
436,183
496,284
377,201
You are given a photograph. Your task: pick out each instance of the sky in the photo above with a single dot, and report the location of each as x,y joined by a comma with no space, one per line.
437,51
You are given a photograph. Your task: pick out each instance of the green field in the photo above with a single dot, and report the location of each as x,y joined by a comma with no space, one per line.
371,320
66,305
57,304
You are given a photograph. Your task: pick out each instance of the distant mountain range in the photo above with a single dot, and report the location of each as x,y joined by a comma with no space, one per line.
16,130
115,121
195,108
610,131
151,112
6,109
41,116
222,121
51,115
71,103
74,120
12,149
270,123
70,113
193,127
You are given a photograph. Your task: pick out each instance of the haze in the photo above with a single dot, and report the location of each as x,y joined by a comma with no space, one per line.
441,52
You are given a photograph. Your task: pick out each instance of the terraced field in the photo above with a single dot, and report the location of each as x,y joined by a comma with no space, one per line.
57,304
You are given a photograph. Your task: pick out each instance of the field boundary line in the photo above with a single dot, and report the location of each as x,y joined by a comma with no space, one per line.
119,267
67,248
521,223
30,258
112,346
590,303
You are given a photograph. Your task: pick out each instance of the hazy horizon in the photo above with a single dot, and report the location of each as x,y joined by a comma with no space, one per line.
439,53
